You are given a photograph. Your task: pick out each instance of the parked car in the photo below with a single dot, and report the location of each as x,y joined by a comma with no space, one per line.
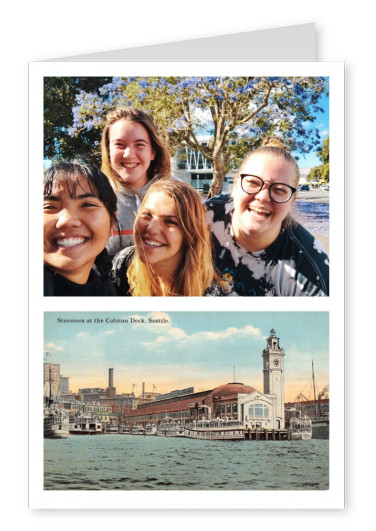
304,188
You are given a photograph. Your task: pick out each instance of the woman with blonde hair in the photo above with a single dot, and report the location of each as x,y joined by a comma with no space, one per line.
134,156
172,253
259,248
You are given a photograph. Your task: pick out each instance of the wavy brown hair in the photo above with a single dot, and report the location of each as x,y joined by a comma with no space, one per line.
159,168
196,272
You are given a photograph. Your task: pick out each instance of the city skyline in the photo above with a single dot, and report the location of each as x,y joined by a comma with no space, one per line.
176,350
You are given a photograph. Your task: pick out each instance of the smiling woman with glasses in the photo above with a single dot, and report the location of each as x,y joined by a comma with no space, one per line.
278,192
259,248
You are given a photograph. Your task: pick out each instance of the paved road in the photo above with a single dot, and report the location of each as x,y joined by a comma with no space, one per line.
315,196
311,209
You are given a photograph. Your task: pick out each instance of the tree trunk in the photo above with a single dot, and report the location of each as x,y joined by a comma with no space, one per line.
220,167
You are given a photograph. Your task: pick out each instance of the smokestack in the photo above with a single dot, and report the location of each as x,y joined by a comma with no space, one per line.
143,389
110,377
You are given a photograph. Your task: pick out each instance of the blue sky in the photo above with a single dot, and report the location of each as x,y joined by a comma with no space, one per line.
311,160
191,349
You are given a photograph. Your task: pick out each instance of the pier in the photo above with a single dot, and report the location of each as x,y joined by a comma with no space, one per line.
257,434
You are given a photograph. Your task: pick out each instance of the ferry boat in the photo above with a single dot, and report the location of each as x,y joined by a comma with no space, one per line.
215,429
111,429
85,425
125,430
150,429
301,429
170,429
137,429
55,423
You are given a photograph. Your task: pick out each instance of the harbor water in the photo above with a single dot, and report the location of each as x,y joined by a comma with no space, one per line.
131,462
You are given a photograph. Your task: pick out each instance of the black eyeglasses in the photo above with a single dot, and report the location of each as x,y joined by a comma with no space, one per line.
278,192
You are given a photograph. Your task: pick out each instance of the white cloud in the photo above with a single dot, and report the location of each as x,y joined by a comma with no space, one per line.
177,334
53,346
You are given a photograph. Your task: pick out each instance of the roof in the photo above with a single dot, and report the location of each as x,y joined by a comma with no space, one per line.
231,389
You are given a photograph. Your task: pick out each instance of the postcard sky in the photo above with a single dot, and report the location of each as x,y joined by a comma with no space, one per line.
190,349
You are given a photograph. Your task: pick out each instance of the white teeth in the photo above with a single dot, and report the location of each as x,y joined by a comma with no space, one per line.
69,242
260,211
153,244
130,165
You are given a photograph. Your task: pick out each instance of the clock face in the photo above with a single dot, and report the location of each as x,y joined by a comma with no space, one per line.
276,363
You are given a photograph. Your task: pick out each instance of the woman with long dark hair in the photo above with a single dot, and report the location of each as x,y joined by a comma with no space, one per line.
79,214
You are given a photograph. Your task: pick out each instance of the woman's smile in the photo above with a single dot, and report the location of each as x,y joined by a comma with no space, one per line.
257,219
76,230
131,152
159,239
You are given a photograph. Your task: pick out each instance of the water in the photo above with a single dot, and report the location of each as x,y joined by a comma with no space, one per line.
315,218
130,462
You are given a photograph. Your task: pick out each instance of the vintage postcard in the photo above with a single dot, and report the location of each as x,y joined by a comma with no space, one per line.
187,401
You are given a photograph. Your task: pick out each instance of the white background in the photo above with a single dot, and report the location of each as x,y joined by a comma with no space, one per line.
42,30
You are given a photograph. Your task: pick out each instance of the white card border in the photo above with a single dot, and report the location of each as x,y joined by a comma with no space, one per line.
334,497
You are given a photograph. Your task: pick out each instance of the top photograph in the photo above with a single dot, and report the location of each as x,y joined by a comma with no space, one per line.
186,186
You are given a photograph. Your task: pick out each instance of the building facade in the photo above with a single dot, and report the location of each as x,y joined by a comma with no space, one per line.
234,400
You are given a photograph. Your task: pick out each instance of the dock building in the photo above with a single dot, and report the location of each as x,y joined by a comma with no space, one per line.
235,400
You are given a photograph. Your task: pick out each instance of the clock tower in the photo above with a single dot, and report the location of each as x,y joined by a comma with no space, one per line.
273,371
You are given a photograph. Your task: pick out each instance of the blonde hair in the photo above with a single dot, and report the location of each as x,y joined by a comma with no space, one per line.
196,272
275,147
159,168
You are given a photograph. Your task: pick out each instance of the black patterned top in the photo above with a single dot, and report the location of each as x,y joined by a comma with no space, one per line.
295,264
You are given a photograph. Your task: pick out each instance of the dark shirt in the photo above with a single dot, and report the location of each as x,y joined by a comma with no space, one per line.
57,285
295,264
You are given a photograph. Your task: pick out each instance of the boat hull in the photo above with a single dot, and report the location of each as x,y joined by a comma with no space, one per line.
170,429
208,435
85,432
56,434
85,428
55,425
216,430
301,436
301,429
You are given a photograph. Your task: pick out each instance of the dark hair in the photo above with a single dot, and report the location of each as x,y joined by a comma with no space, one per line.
69,173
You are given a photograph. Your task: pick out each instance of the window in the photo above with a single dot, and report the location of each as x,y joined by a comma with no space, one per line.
259,411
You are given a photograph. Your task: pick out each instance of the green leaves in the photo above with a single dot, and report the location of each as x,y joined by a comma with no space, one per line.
236,111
